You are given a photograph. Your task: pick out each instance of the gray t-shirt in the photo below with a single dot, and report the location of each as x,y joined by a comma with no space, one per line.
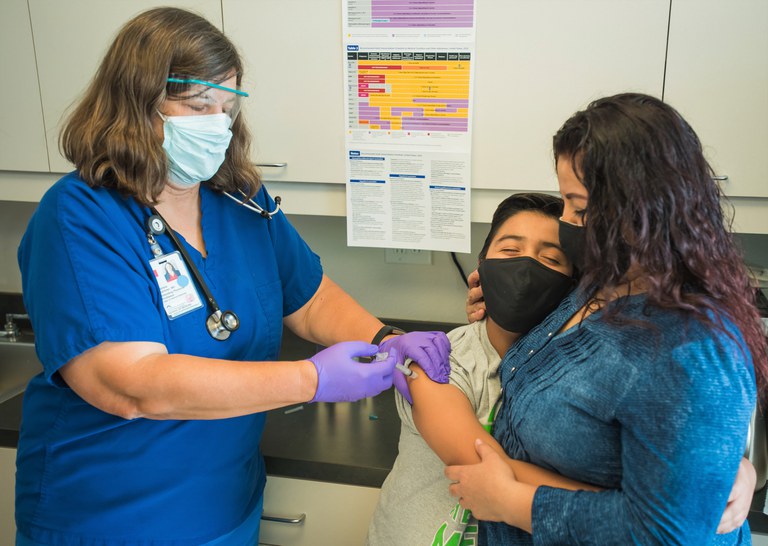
415,507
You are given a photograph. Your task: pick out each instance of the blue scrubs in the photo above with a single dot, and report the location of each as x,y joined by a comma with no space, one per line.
88,477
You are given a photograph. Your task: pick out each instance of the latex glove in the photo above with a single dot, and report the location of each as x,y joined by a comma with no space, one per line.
429,349
340,378
475,302
400,382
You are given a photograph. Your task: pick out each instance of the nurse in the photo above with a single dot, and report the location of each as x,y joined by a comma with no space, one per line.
144,427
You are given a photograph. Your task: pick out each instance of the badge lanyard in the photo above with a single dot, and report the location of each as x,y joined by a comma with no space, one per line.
220,324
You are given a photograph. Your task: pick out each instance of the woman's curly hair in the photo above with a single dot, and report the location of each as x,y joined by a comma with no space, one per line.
654,207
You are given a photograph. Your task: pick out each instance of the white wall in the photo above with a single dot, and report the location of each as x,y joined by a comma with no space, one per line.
414,292
13,221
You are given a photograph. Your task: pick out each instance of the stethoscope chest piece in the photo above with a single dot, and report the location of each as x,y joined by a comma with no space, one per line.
221,325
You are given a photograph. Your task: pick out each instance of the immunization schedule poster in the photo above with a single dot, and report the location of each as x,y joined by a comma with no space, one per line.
408,69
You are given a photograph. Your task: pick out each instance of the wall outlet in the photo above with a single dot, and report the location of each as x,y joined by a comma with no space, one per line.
407,256
761,274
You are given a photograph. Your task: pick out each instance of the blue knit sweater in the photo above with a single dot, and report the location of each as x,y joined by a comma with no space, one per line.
658,415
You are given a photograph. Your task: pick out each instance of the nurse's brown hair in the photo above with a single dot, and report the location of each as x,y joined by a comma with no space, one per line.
654,207
109,134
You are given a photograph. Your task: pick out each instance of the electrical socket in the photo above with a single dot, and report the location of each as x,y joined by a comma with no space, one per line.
760,274
407,256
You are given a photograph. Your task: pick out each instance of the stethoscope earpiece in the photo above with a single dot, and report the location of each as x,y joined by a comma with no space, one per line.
252,205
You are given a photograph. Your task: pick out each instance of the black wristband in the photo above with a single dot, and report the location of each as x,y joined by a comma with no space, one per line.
384,332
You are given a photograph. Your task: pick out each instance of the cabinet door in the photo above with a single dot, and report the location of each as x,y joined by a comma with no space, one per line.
293,71
335,514
70,40
539,62
7,492
717,78
22,136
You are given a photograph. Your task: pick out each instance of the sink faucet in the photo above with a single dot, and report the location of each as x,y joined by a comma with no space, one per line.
11,328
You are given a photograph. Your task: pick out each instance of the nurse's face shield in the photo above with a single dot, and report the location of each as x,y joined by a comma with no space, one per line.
194,97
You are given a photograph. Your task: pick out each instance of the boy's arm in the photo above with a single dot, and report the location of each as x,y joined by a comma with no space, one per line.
447,422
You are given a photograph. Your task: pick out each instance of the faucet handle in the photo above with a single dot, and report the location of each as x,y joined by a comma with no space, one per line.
11,329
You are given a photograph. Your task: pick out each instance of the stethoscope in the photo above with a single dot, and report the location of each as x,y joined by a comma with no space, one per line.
254,206
220,324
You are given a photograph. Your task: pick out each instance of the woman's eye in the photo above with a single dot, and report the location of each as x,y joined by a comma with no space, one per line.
552,260
580,213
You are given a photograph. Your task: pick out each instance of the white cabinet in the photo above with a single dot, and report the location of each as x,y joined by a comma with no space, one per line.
539,62
70,40
292,52
717,78
335,514
536,63
7,491
22,135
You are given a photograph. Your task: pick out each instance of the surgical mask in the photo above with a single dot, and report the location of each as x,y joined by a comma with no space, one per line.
196,146
573,241
520,292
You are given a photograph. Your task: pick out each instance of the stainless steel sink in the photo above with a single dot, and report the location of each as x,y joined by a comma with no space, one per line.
18,364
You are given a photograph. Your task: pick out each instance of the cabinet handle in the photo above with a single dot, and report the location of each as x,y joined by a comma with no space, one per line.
276,165
722,178
293,520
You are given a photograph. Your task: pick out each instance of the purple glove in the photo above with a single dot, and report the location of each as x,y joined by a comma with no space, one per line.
340,378
429,350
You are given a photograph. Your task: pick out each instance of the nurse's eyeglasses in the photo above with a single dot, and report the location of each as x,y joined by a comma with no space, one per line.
204,97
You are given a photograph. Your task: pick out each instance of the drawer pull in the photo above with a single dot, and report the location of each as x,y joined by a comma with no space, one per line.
293,520
275,165
723,178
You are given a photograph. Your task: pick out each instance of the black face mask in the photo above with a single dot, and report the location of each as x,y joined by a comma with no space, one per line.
573,241
520,292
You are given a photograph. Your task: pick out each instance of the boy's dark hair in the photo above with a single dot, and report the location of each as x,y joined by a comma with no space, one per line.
542,203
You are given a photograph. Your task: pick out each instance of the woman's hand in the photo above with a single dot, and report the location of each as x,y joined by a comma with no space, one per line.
490,489
740,499
475,302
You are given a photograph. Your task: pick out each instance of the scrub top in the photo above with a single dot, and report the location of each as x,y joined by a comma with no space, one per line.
88,477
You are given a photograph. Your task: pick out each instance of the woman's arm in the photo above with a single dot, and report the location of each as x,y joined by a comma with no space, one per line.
447,422
491,490
331,316
140,379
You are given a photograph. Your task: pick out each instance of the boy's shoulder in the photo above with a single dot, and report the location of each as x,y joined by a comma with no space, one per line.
467,333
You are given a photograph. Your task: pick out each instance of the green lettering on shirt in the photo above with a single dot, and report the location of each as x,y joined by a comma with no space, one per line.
453,540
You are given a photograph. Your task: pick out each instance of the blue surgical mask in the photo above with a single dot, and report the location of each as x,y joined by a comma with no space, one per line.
196,146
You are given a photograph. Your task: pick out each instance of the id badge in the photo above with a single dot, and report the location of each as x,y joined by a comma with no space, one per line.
176,287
